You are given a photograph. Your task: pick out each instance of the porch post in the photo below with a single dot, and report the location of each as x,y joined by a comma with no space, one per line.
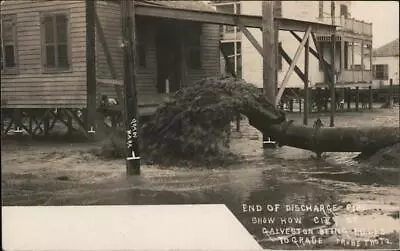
352,59
362,60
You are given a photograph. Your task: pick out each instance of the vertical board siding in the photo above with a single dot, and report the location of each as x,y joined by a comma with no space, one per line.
110,20
30,87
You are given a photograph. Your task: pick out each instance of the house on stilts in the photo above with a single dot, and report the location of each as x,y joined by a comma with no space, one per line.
59,57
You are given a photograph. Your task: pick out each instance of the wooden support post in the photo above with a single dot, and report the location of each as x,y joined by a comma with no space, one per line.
31,125
90,66
348,98
46,125
289,61
352,58
231,68
333,67
370,97
357,98
291,105
390,101
292,66
251,38
69,121
131,105
237,121
362,60
342,54
299,105
269,64
306,77
310,100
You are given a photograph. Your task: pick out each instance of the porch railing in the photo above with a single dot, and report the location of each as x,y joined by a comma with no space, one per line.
350,25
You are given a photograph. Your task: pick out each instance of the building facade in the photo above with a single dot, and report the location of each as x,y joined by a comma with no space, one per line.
354,39
385,64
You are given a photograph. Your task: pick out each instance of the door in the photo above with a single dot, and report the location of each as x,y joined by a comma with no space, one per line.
169,58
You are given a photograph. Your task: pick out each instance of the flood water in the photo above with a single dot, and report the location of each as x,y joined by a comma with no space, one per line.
366,197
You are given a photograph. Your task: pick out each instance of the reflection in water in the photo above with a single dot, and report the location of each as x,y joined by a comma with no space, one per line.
283,176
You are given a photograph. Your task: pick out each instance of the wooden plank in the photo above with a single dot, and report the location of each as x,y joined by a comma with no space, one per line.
104,44
287,58
111,82
251,38
269,64
291,67
269,56
306,79
229,19
320,57
231,68
313,52
90,66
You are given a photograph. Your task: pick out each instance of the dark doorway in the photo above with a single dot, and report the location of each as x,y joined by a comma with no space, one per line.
169,56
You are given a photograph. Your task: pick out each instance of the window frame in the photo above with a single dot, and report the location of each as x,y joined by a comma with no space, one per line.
9,70
385,72
43,53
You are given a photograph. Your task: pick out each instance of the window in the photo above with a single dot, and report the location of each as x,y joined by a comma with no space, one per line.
343,10
380,71
140,46
55,49
8,35
194,46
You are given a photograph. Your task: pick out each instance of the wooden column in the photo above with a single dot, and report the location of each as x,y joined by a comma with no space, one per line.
300,105
352,58
310,100
370,61
131,124
90,66
269,64
342,54
357,98
333,76
370,97
348,98
362,60
306,78
390,96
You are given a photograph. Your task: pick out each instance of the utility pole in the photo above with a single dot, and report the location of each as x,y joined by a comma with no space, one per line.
333,80
131,104
269,57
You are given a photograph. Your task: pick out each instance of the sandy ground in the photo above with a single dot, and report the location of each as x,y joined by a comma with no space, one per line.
56,173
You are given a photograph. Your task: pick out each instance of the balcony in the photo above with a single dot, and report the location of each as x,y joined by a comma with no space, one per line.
351,76
350,25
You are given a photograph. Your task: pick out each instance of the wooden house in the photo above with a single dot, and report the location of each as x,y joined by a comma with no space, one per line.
58,57
47,50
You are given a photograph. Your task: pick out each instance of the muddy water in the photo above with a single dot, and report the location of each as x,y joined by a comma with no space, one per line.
366,196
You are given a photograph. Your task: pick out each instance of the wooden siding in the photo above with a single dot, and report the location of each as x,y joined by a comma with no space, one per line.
30,87
110,20
210,54
146,77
